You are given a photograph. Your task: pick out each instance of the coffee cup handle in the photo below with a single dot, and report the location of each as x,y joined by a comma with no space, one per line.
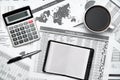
112,27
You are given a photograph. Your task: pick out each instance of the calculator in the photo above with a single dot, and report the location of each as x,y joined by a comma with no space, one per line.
21,26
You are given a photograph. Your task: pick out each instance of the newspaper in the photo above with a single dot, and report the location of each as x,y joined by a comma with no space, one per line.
19,70
115,65
16,71
4,35
114,72
97,42
37,76
61,15
114,56
114,7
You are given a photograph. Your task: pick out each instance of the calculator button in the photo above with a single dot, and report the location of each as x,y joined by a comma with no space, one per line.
18,33
20,37
30,21
13,35
14,39
10,28
24,36
34,32
26,39
16,30
32,29
31,25
21,41
12,31
36,36
22,28
30,38
16,26
28,30
26,27
21,24
29,35
16,43
23,32
25,23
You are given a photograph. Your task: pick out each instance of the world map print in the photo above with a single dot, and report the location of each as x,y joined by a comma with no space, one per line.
57,15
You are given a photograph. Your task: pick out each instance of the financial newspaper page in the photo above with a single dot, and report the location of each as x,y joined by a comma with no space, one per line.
97,42
114,7
17,71
5,42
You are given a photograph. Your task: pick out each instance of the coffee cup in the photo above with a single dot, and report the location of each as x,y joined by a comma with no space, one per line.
97,19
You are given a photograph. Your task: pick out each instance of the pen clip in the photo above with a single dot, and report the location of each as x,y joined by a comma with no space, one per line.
22,53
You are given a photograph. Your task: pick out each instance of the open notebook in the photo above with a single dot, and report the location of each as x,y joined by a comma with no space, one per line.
68,60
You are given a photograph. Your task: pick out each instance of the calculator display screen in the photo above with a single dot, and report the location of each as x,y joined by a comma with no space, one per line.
17,16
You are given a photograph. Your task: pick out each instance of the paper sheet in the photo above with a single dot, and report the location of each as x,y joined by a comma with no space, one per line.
4,35
114,57
39,76
99,43
115,49
15,71
61,15
5,43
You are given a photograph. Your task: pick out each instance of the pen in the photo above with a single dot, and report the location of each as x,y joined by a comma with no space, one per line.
22,57
78,24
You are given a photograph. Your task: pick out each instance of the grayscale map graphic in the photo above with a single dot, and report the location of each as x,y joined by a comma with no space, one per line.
57,15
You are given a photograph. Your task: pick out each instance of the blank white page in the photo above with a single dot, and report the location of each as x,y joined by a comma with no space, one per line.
67,60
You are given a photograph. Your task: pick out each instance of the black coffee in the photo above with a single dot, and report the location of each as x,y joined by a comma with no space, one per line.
97,18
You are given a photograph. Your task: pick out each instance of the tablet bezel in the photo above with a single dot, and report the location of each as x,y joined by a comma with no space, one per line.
89,64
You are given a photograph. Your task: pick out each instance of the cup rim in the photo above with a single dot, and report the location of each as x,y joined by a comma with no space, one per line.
91,29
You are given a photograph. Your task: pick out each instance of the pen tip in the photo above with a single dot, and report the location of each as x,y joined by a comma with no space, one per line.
8,62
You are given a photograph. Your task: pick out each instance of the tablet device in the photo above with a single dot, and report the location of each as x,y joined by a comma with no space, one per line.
68,60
